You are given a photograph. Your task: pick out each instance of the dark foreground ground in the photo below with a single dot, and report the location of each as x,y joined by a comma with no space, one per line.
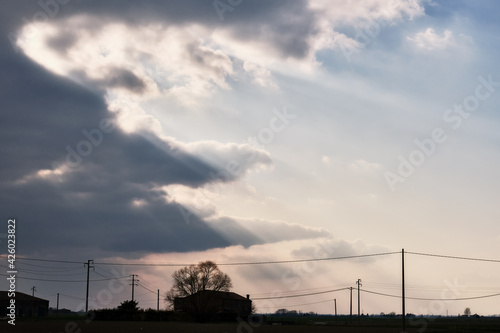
72,325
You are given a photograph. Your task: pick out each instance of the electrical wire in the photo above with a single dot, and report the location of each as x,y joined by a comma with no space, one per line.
300,295
62,269
301,290
42,273
140,285
452,257
147,283
68,281
251,263
294,305
431,299
262,262
51,260
74,297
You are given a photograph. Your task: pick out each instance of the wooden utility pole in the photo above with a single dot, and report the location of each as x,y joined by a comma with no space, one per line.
350,304
158,301
57,306
335,301
403,288
89,265
33,306
359,305
133,284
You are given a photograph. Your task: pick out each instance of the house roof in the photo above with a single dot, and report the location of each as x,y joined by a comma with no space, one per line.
20,296
220,294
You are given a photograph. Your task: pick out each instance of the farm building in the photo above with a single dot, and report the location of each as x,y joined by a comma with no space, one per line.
26,305
214,302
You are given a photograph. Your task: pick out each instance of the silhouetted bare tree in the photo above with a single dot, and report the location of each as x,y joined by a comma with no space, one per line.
195,279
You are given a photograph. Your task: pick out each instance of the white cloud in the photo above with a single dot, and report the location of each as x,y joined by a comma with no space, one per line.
231,158
196,200
261,75
366,10
238,230
430,40
252,231
189,62
368,17
167,60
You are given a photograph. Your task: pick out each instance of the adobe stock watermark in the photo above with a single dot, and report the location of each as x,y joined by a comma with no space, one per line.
438,307
85,147
222,6
365,35
453,118
280,120
48,10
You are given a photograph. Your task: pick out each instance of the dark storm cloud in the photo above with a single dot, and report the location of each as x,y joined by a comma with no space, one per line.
285,27
123,78
98,221
62,42
47,121
90,206
41,114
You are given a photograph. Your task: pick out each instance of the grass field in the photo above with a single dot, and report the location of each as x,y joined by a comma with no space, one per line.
77,325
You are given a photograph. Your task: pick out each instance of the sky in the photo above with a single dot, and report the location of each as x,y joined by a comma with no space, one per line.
174,132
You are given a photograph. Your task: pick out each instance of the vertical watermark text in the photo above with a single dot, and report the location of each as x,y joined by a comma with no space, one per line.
11,270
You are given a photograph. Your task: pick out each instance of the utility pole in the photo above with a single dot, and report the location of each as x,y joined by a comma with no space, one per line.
359,285
134,283
57,306
335,302
33,306
89,264
403,287
350,304
158,301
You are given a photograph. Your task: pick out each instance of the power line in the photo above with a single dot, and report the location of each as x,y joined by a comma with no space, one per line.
263,262
452,257
420,287
47,280
128,298
148,283
106,277
252,263
432,299
51,260
77,298
300,295
301,290
293,305
141,285
51,267
46,295
43,273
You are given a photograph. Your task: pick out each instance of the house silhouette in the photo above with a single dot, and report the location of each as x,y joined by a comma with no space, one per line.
26,305
210,302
